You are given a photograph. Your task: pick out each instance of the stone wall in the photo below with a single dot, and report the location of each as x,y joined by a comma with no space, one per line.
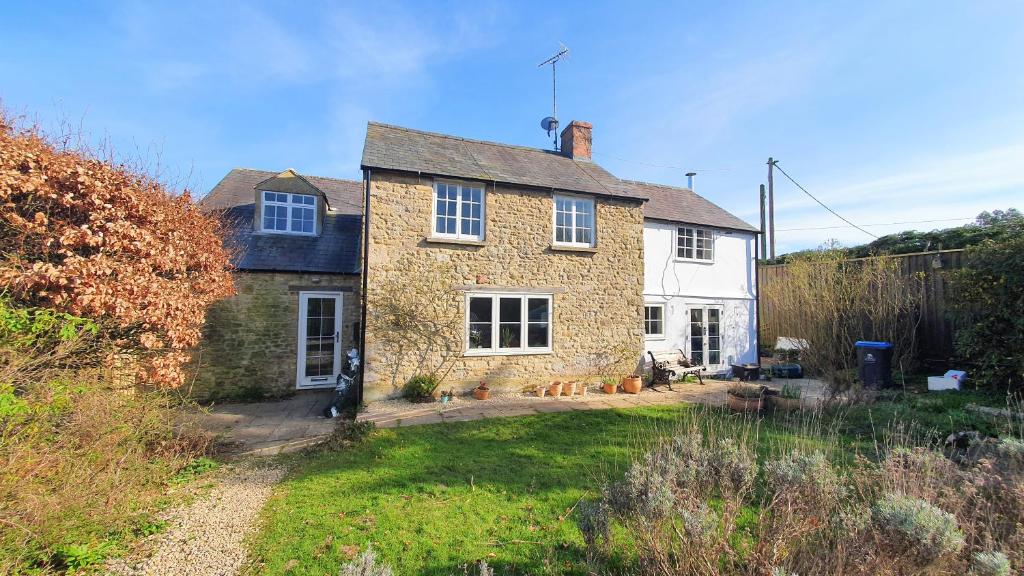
249,341
597,294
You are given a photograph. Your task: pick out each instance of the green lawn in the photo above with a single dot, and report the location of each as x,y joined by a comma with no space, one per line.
433,498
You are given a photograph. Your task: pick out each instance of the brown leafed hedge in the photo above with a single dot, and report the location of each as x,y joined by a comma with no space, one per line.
103,241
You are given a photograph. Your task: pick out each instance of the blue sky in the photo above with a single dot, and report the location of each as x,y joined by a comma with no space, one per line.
887,111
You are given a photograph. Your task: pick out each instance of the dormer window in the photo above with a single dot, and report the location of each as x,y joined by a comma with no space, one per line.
289,213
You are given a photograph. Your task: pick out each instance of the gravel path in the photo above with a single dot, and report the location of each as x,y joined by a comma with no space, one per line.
206,538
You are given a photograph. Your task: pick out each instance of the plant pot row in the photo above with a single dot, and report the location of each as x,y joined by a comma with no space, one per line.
560,388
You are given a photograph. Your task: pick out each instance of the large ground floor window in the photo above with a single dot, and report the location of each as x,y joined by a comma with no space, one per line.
508,324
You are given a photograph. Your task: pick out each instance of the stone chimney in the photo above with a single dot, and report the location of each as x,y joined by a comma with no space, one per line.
576,140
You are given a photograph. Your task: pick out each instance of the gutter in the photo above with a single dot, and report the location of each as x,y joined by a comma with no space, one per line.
362,295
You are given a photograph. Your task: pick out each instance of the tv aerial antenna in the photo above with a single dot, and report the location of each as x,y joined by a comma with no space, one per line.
550,123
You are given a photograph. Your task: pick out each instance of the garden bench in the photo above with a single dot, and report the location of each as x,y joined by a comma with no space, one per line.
670,364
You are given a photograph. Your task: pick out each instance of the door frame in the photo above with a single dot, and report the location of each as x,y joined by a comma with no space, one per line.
300,344
704,338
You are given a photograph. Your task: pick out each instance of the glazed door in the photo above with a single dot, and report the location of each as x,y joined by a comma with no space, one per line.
706,335
319,355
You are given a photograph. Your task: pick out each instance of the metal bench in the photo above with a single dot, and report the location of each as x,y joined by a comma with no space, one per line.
672,364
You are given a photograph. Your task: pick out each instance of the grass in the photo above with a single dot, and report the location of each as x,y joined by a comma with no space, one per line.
431,499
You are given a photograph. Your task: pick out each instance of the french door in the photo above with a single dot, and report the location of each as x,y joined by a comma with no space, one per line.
706,335
319,355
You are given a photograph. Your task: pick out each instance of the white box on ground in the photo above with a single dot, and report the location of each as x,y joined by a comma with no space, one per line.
951,380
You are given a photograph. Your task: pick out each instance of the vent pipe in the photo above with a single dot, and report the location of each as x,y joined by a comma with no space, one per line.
689,179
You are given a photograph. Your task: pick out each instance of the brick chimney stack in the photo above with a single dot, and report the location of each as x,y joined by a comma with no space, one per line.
576,140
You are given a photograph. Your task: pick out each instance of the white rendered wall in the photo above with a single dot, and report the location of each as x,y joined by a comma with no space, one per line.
727,282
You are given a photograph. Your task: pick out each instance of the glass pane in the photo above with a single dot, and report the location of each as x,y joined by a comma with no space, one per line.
713,314
714,357
474,228
268,223
313,327
449,225
537,310
696,315
509,336
467,227
583,235
480,335
307,226
480,310
537,336
510,309
313,306
327,310
697,356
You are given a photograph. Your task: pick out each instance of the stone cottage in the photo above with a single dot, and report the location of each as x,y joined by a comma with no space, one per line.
544,249
297,254
483,262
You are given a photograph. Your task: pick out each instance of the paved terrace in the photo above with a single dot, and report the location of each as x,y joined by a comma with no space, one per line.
267,428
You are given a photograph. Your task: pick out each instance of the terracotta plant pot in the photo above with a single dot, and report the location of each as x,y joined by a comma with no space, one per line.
568,389
609,388
786,404
632,384
541,391
556,388
748,405
481,393
581,389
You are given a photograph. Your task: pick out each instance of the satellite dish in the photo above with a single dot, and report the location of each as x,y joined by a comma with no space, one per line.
550,124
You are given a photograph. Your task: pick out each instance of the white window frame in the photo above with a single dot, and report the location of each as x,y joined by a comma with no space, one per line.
523,349
664,320
554,221
709,237
288,210
458,235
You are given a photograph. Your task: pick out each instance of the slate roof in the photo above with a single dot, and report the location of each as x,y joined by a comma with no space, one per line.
335,251
683,205
404,149
236,188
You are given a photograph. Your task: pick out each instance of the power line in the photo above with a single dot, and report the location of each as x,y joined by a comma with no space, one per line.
834,213
878,224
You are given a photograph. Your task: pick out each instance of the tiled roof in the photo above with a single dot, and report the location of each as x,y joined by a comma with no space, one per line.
335,251
396,148
237,188
684,205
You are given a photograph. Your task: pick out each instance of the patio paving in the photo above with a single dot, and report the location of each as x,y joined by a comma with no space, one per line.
275,427
392,413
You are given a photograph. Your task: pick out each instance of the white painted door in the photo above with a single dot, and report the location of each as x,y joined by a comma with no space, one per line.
319,355
706,336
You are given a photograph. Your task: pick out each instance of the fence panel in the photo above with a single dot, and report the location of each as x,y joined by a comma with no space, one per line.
935,331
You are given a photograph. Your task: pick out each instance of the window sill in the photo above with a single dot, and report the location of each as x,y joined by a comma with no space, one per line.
582,249
694,261
653,337
457,241
485,353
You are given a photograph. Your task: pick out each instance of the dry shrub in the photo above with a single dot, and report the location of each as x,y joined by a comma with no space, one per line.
83,462
832,302
85,236
700,503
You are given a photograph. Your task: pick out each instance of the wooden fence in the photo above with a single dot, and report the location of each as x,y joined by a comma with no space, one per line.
935,331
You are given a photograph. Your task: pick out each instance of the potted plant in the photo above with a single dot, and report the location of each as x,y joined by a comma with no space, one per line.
632,384
609,385
745,398
555,389
481,392
581,389
788,398
540,391
569,388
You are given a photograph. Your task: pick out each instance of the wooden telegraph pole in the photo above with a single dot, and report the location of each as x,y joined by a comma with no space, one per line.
771,210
